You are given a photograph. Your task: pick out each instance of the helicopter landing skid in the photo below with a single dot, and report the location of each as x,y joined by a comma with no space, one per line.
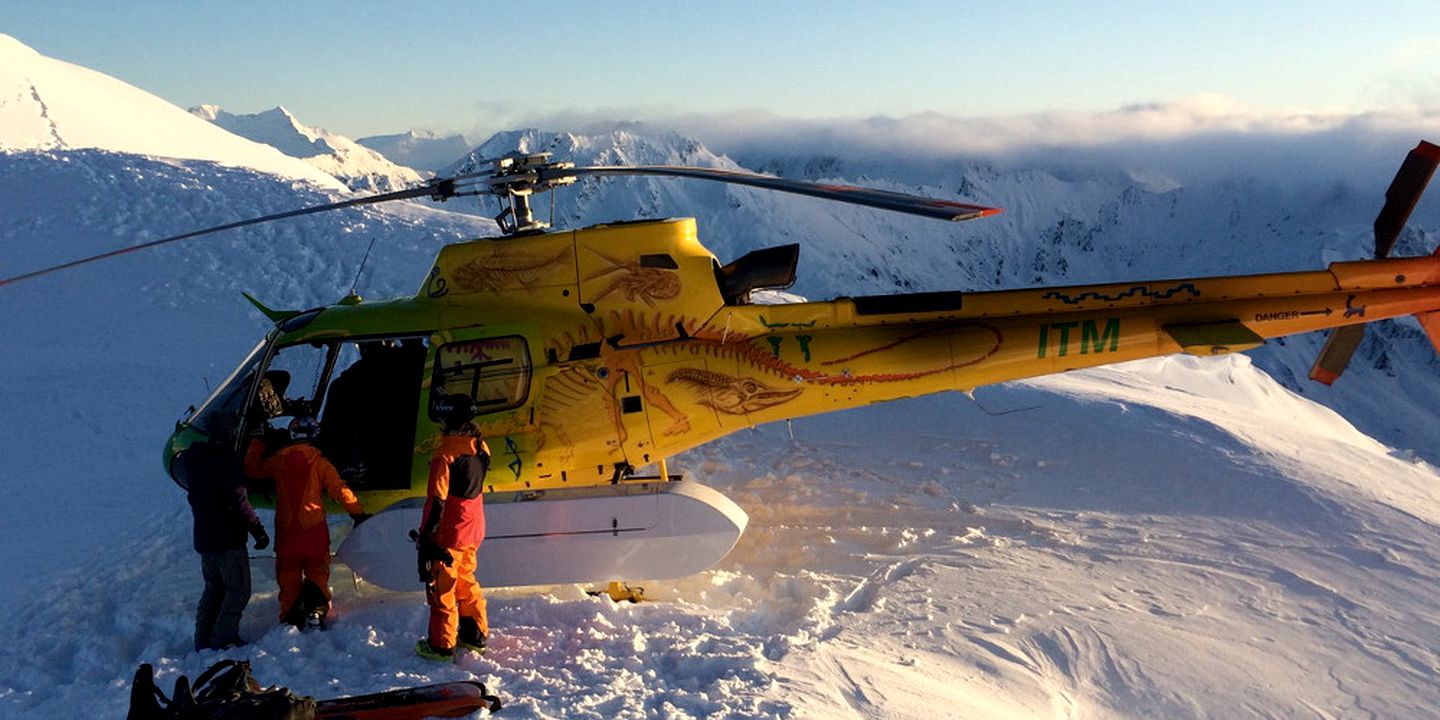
635,530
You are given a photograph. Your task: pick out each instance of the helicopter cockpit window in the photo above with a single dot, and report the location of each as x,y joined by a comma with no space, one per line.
217,416
495,372
293,381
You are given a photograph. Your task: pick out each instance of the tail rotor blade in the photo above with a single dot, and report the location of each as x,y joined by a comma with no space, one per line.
1403,193
1335,356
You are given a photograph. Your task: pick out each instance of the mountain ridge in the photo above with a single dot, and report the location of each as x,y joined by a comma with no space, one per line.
359,167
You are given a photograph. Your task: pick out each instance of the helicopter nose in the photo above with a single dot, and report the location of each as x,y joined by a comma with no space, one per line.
184,436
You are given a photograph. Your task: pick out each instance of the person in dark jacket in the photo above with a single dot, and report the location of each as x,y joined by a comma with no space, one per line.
215,483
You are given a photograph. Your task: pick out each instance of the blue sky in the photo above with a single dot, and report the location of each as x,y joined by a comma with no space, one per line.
363,68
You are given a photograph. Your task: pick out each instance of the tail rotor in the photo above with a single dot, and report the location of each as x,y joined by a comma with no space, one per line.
1400,199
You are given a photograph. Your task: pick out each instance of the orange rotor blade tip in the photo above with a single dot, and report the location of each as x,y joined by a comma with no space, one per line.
1429,151
987,212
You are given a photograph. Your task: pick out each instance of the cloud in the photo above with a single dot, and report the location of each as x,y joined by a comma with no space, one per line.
1185,140
1188,139
1202,115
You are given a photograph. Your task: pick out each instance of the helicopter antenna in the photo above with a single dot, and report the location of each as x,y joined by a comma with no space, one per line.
356,282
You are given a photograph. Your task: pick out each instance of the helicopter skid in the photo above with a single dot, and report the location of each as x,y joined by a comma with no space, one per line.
635,530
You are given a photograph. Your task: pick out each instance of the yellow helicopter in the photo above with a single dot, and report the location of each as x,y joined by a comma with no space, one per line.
587,354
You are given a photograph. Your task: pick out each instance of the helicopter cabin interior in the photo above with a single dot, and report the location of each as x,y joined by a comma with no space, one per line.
368,395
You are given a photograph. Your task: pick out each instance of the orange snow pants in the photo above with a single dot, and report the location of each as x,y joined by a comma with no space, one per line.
293,569
455,594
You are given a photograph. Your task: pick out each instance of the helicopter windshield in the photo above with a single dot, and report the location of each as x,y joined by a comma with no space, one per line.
218,414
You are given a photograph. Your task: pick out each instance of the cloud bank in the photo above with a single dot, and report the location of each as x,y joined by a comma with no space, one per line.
1189,139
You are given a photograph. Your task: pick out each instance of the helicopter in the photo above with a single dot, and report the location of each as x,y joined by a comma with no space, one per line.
586,355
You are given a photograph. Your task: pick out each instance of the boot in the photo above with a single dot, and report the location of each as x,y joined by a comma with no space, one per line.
470,636
424,649
315,620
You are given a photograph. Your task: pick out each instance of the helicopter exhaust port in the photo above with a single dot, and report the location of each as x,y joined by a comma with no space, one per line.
633,530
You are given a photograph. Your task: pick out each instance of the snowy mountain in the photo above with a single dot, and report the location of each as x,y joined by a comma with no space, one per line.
47,104
422,150
1178,538
360,168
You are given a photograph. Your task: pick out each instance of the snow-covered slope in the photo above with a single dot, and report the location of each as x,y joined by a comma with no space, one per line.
422,150
360,168
49,104
1148,541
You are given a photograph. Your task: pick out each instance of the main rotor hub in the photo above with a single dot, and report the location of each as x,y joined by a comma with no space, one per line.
517,176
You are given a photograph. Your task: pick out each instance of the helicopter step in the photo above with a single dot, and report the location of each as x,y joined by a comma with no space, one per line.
640,529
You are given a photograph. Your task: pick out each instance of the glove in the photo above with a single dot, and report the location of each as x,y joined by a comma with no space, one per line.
430,551
427,553
359,517
262,540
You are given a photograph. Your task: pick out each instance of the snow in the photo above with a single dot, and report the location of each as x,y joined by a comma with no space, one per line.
47,104
424,151
1177,537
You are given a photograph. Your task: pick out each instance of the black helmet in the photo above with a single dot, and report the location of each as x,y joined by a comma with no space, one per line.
453,411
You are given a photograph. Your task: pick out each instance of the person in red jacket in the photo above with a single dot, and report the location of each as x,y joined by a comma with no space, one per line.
451,530
302,538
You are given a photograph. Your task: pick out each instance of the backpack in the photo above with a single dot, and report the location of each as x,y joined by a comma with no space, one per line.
225,691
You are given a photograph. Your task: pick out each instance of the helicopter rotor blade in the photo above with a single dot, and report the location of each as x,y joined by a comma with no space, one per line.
868,197
518,175
437,189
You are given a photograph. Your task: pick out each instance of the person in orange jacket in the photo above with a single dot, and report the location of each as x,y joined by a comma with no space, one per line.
451,530
302,538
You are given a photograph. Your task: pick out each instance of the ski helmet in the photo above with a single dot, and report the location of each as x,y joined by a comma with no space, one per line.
304,428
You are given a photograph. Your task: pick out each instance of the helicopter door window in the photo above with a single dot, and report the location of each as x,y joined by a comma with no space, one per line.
494,372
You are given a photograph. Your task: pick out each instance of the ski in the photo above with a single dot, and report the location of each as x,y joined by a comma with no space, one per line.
452,699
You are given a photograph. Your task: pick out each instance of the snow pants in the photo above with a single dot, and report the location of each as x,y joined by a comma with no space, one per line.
301,555
227,592
454,594
292,570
